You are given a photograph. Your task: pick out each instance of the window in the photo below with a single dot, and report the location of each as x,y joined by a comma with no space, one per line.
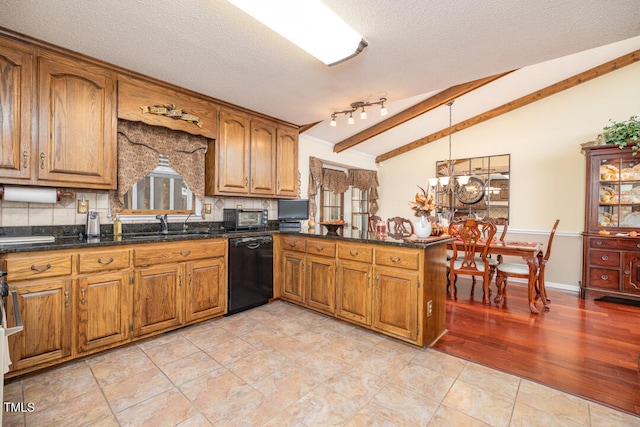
161,191
331,206
359,209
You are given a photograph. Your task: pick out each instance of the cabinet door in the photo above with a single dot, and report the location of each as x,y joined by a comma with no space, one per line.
263,158
157,298
46,318
77,124
233,153
103,310
631,270
395,302
16,98
293,276
354,296
320,290
287,175
206,289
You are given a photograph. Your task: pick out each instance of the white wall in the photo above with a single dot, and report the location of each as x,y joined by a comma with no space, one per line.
547,166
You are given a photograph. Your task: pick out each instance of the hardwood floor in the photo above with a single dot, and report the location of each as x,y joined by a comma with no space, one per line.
584,347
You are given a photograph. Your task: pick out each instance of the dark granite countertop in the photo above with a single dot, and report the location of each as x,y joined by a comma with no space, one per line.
73,238
370,237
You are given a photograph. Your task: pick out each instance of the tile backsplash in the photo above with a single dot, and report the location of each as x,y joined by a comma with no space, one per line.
15,214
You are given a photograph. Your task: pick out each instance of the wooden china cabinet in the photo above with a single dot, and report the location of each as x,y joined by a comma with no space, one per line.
611,240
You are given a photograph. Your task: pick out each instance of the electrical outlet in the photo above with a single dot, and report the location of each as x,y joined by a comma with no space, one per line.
83,206
429,308
207,208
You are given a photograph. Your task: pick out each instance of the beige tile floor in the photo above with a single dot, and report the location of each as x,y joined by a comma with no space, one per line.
281,365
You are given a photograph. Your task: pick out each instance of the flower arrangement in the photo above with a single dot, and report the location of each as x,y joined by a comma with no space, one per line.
423,203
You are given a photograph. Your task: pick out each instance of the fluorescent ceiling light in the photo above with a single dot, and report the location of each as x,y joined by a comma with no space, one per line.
310,25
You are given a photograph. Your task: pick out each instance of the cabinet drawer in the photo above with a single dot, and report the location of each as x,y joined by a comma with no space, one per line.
603,243
177,252
604,258
355,253
396,257
89,262
629,244
35,267
604,279
291,243
321,247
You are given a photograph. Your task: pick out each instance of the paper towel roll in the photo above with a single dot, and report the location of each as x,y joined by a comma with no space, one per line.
30,194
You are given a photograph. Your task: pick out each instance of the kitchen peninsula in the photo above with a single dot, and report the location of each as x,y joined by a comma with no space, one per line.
391,286
80,296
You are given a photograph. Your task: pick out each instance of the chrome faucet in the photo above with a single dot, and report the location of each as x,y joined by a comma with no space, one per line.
184,224
163,223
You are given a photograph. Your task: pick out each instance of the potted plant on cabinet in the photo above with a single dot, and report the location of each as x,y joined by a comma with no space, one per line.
623,133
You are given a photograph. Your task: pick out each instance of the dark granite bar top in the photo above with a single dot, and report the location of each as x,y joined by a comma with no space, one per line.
370,237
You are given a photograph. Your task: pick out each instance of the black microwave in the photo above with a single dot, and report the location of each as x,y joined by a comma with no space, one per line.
244,219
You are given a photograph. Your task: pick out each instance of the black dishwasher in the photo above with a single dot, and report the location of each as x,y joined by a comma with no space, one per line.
250,272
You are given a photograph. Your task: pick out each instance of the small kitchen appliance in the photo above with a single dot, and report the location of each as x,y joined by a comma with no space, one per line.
245,219
93,224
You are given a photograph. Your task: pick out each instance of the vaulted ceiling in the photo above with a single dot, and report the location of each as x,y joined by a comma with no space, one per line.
416,50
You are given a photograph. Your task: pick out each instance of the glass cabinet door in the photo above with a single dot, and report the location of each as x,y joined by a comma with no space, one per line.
619,193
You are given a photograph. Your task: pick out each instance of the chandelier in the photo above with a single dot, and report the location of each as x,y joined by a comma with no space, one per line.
447,184
355,106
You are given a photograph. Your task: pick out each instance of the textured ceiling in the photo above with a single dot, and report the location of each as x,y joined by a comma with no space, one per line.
415,47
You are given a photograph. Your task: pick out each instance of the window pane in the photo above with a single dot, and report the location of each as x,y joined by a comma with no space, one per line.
163,189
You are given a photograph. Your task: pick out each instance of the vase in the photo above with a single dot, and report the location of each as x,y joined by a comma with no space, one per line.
422,227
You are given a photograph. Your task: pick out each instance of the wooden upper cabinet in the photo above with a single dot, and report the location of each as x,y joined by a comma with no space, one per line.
134,94
16,101
287,163
76,123
263,158
232,165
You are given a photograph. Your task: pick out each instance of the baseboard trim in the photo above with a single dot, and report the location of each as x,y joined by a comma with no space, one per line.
551,285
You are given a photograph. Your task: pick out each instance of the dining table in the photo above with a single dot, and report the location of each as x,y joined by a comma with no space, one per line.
531,253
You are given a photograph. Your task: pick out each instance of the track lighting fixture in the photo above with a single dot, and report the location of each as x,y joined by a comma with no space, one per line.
359,105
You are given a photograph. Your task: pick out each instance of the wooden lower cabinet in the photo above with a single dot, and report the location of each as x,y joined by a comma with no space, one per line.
611,265
157,299
377,286
353,292
320,286
293,276
46,312
395,302
206,289
76,302
103,305
178,283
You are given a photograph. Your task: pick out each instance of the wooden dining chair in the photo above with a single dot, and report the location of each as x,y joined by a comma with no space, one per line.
399,226
473,235
521,271
501,231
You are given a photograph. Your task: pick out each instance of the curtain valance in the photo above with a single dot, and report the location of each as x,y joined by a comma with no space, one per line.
139,149
340,181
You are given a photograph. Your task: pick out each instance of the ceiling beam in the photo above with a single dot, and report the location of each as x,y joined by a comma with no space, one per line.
568,83
415,111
